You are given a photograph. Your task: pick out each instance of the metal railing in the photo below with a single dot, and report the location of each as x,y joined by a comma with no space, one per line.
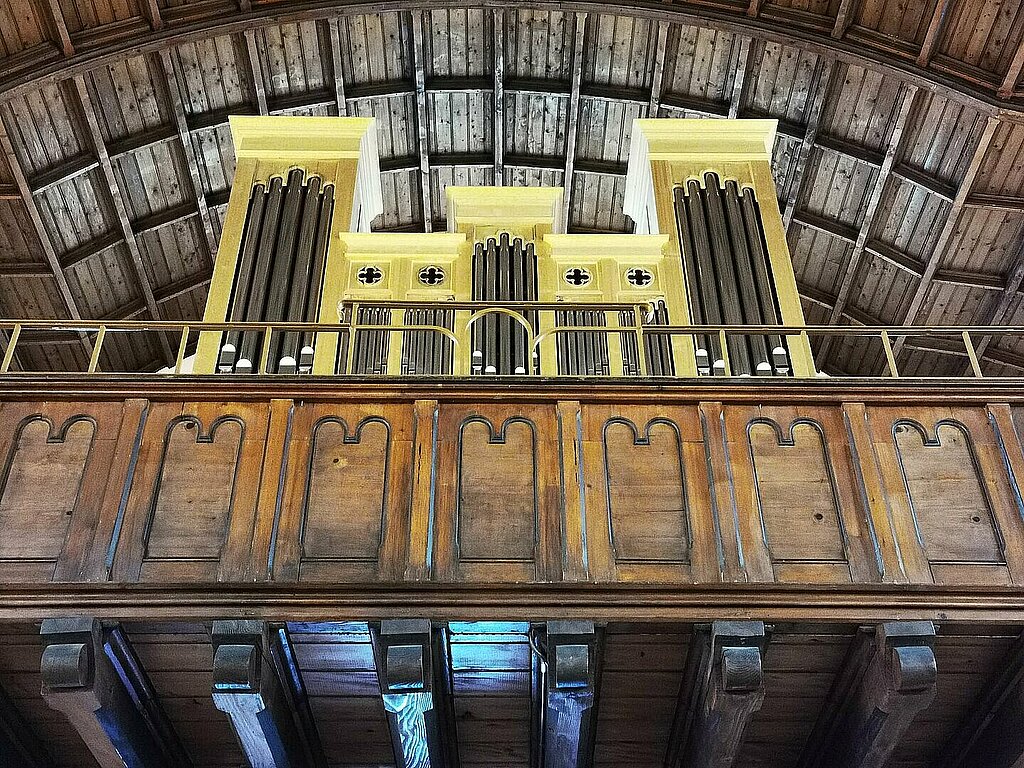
97,335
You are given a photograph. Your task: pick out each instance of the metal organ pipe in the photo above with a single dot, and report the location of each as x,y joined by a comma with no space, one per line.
311,312
299,278
694,290
765,292
749,303
243,282
705,268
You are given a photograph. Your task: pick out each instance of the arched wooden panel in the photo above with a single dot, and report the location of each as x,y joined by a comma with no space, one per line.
796,493
497,514
951,510
646,493
41,486
192,502
345,507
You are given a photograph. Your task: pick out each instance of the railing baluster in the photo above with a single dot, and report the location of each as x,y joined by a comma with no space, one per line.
265,352
890,356
94,359
180,359
723,340
972,355
12,342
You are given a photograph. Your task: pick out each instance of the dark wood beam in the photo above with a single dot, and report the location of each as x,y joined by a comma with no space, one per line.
422,122
252,56
926,181
121,211
1009,85
24,269
173,91
60,26
414,679
19,747
908,96
565,706
888,679
251,688
677,102
949,228
723,687
159,219
498,115
69,169
573,120
152,137
844,18
754,8
812,118
940,11
658,75
831,227
744,61
151,10
91,676
337,68
1011,203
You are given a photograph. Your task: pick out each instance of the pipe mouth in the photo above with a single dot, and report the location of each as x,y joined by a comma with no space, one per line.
243,366
490,369
779,351
286,361
719,365
306,352
520,370
228,349
764,368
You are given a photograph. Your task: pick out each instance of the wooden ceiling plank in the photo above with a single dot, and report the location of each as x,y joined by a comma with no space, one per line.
949,228
422,123
573,117
121,211
250,686
45,242
658,75
844,18
498,46
940,11
569,699
997,315
723,688
744,61
892,150
889,671
252,56
413,672
55,15
1009,85
816,105
337,66
81,679
171,88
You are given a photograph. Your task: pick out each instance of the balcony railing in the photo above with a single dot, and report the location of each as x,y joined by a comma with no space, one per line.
624,339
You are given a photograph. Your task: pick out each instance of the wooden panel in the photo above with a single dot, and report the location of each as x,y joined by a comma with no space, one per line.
347,492
191,509
498,494
645,478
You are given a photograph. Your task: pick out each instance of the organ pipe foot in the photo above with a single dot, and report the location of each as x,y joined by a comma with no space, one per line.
287,365
306,360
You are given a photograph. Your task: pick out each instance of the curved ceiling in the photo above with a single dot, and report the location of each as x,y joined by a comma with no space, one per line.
900,162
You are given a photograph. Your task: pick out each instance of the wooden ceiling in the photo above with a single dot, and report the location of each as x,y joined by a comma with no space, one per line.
900,162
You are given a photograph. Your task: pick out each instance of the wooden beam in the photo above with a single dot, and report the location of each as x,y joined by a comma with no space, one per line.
151,10
744,59
498,45
1009,85
815,106
21,182
422,124
844,18
121,211
69,169
252,55
171,87
909,95
250,687
567,702
18,744
658,75
940,11
1007,299
723,688
60,26
337,67
888,679
91,676
413,684
1010,203
952,218
573,120
754,9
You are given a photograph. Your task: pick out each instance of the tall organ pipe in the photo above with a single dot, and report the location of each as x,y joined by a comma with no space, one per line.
243,282
691,272
749,303
323,234
299,278
284,256
766,295
254,311
709,293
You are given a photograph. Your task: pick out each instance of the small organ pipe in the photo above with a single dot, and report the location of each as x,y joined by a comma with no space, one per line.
765,292
323,234
705,267
243,283
693,283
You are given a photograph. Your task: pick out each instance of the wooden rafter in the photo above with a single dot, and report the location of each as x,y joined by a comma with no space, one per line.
572,129
498,46
754,8
949,228
173,90
1013,73
60,26
744,60
815,107
658,75
151,10
936,24
337,68
892,150
252,56
844,18
120,210
1006,300
422,124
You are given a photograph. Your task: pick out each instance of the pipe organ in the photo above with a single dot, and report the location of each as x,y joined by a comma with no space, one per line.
505,291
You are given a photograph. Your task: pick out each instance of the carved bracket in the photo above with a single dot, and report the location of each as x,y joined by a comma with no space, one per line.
571,657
